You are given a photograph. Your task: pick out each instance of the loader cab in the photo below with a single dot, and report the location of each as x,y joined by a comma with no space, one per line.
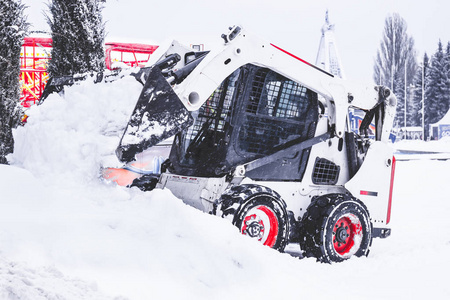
253,113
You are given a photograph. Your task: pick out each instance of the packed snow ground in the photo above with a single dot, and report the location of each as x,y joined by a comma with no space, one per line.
65,234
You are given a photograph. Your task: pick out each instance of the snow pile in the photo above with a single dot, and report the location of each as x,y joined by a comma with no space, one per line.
64,234
130,243
75,135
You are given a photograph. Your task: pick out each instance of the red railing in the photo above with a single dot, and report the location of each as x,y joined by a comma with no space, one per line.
34,57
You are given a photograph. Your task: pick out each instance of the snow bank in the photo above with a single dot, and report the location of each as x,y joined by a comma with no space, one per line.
417,149
442,145
64,234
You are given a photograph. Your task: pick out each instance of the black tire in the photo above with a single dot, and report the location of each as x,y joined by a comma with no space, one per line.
334,228
258,212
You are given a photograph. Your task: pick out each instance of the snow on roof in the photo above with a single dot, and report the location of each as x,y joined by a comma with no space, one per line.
444,120
40,41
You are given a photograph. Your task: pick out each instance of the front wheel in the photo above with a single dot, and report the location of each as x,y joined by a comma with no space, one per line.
258,212
335,227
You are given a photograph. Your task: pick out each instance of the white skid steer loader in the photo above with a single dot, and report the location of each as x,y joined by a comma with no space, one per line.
264,139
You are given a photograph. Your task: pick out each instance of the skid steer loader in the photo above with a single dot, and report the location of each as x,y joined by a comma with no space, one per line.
263,138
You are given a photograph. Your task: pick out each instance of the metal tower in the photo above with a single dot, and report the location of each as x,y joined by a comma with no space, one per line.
328,57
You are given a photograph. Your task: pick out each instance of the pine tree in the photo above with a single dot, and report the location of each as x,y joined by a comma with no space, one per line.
415,110
436,92
13,26
447,86
399,91
78,34
395,57
412,107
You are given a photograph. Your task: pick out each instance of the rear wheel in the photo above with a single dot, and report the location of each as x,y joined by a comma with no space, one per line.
258,212
335,227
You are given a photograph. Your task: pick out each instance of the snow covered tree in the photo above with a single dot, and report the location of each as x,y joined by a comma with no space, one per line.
446,84
437,90
415,107
395,58
13,26
78,34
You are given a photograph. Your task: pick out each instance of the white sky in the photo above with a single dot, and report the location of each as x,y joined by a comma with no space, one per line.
291,24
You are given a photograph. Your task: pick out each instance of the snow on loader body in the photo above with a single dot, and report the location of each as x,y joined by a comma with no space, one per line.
263,139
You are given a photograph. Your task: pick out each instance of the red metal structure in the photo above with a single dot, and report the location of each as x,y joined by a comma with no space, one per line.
134,55
36,52
34,57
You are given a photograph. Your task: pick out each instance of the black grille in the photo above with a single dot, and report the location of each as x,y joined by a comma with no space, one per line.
257,88
276,96
325,172
213,111
259,136
276,110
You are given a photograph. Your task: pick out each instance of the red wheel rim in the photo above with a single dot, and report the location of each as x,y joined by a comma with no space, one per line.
261,223
347,235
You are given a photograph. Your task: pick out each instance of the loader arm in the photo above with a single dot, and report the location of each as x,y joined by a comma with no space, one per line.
243,48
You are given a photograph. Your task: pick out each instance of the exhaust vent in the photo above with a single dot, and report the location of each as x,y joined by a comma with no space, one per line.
325,172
